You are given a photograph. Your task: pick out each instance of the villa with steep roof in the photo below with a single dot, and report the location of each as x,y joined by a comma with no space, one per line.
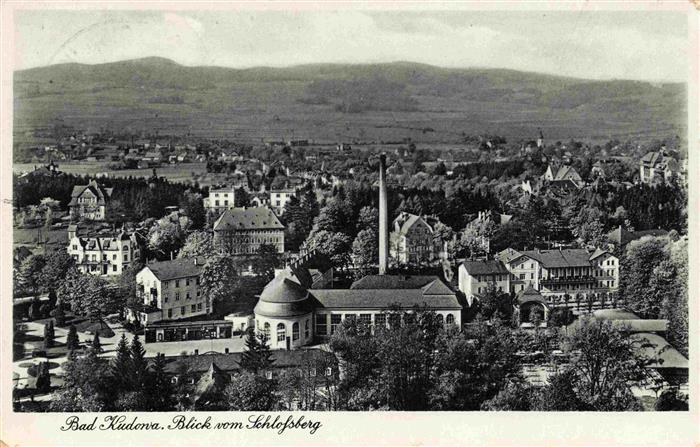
89,201
241,231
107,253
412,242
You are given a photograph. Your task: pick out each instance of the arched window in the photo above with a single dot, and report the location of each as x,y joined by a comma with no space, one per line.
266,330
440,319
295,331
281,332
450,319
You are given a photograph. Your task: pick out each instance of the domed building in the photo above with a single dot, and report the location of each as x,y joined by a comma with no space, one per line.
284,312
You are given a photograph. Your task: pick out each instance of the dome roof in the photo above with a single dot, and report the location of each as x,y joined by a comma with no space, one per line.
283,297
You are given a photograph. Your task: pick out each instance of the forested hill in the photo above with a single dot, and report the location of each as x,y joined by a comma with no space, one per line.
331,102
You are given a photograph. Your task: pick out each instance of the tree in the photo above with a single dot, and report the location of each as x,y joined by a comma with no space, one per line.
90,296
192,204
199,244
265,261
636,270
43,377
72,340
336,246
368,219
560,394
96,344
495,304
138,365
49,335
671,401
516,396
167,235
85,385
30,273
219,279
607,364
160,389
121,367
56,267
257,355
251,392
365,249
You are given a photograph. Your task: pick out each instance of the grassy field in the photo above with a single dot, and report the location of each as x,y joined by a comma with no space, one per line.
181,173
251,105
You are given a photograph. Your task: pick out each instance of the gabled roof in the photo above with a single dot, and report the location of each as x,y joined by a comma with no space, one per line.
659,351
508,255
381,299
569,257
529,294
256,218
393,282
488,267
98,190
176,268
407,220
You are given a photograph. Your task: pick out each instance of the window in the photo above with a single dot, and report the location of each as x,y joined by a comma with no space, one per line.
199,306
194,308
114,268
306,329
450,319
522,276
187,296
165,297
312,372
114,257
295,331
173,380
329,372
321,325
126,258
335,321
187,281
366,319
182,310
268,375
380,320
281,332
170,313
165,284
266,330
177,296
177,283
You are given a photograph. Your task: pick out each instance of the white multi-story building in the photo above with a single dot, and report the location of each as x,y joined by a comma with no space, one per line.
220,200
475,278
280,197
105,253
169,290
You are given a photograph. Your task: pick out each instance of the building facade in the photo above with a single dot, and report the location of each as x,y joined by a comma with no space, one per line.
220,200
169,290
563,271
476,277
280,197
241,231
657,167
89,202
104,254
412,241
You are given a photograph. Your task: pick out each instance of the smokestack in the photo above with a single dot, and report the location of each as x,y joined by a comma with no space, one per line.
383,218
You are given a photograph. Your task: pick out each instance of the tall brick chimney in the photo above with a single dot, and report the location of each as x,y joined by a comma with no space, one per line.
383,218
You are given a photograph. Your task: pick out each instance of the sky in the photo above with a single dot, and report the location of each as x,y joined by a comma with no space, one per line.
585,44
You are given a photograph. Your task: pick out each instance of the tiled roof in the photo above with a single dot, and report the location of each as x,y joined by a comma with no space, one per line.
230,362
570,257
381,299
393,281
488,267
657,349
177,268
529,294
98,190
257,218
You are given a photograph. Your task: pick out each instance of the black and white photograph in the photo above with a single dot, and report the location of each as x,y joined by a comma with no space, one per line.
307,210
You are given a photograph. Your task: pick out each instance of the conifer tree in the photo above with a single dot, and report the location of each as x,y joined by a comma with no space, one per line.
121,366
139,365
72,341
49,335
257,355
96,344
160,389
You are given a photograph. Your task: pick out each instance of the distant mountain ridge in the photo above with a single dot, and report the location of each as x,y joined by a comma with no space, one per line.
493,99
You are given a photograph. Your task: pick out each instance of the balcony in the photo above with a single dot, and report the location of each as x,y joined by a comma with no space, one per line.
563,280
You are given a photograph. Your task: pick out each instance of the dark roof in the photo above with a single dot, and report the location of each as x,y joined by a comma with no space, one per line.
177,268
283,297
530,294
98,190
569,257
488,267
257,218
393,281
381,299
230,362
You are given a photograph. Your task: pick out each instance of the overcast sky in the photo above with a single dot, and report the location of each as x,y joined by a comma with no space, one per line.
597,45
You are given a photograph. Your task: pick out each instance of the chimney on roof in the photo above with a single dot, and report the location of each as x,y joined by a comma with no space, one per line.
383,218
